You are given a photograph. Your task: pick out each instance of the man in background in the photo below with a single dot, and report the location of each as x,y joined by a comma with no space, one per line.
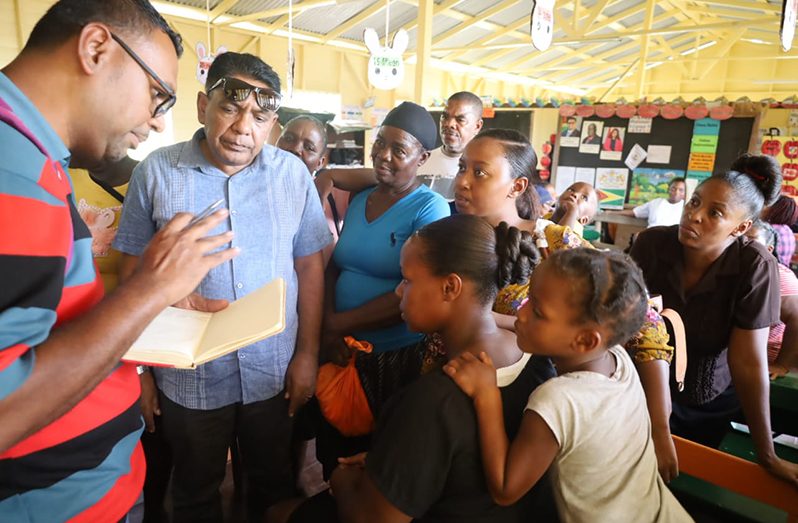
460,121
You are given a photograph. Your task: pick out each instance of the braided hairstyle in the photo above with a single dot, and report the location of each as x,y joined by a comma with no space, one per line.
755,180
523,164
607,288
470,247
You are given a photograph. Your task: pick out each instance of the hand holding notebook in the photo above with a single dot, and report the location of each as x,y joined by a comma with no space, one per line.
185,338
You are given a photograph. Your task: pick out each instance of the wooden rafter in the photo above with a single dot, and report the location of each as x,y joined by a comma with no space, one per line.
721,50
221,9
641,62
569,54
593,13
512,27
742,4
591,73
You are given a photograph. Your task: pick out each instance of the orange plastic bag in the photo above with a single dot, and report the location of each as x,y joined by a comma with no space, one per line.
341,397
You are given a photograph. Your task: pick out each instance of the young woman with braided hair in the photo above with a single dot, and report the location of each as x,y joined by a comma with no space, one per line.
494,182
424,463
725,287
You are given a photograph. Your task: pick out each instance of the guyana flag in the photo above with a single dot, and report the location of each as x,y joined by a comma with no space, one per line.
611,198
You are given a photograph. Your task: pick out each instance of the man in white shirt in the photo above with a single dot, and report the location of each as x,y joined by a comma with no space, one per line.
461,120
663,211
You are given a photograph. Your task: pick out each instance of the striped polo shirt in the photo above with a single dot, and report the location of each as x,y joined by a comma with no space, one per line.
88,464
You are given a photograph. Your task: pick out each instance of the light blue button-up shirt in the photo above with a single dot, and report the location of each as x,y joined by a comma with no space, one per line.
276,216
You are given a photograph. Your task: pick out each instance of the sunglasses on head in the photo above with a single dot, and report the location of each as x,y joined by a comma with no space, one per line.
238,91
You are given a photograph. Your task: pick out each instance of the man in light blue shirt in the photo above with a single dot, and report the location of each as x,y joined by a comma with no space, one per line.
280,229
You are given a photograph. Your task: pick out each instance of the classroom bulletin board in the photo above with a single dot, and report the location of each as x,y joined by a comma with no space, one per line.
631,160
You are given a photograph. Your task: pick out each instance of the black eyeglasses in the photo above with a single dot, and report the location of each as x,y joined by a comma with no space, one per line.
238,91
168,93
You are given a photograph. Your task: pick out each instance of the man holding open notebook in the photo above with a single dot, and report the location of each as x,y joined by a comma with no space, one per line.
278,223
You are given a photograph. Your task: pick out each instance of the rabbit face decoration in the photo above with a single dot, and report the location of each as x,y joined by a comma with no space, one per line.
542,24
386,66
205,60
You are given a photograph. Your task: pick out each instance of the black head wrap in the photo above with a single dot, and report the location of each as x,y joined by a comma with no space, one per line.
415,120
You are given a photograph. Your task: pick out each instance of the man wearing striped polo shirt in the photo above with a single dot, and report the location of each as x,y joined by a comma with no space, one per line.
93,79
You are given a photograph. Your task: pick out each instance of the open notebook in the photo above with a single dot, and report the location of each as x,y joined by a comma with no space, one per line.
184,339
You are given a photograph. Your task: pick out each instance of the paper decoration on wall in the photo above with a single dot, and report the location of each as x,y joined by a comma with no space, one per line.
205,60
625,110
612,143
648,184
541,25
792,122
585,175
386,66
658,154
585,111
545,159
721,112
605,110
785,150
569,131
703,148
636,156
611,187
672,111
647,110
789,13
567,109
564,178
697,110
591,137
639,125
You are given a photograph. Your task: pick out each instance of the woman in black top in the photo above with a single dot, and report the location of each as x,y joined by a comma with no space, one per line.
425,464
725,287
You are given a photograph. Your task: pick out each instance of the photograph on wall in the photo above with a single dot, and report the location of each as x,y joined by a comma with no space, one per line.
648,184
570,131
590,140
612,143
611,187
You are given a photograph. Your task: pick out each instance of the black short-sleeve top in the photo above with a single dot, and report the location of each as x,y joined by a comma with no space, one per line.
740,289
426,459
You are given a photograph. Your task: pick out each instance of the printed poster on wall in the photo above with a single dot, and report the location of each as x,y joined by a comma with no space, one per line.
591,137
785,150
703,146
611,187
612,143
640,125
586,175
659,154
564,178
648,184
570,131
636,156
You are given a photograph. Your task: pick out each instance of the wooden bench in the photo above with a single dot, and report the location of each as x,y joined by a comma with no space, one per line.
732,485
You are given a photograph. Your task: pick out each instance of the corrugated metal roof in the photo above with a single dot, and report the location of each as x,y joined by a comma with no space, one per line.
612,42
